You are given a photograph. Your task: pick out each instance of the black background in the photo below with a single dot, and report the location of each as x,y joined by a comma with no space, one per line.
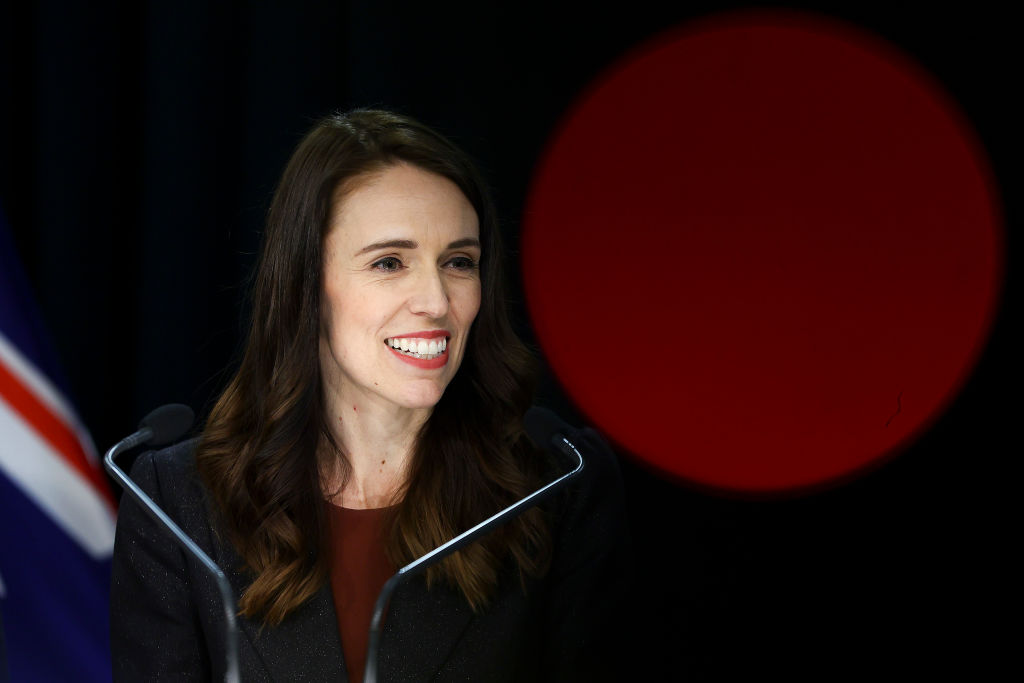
141,143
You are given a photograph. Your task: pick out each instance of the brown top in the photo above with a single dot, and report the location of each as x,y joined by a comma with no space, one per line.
359,569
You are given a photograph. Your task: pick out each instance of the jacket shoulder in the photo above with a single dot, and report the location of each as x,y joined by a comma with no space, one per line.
591,573
170,478
177,460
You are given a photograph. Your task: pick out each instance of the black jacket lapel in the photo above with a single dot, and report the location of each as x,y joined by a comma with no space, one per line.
304,647
422,629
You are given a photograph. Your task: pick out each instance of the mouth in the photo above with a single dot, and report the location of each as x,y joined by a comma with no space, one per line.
421,345
418,347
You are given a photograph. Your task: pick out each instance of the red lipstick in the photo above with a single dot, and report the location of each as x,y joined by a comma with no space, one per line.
426,334
426,363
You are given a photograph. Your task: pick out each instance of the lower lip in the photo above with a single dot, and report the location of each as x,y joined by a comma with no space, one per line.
426,363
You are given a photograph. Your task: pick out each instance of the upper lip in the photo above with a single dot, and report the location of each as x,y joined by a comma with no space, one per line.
426,334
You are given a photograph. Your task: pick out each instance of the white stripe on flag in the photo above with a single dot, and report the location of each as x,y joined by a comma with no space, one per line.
54,485
40,385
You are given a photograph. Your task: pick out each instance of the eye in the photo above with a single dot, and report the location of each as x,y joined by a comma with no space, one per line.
388,264
463,263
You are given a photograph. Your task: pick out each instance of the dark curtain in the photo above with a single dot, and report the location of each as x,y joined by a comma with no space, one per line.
141,143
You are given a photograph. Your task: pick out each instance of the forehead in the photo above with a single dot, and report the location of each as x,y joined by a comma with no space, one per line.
401,201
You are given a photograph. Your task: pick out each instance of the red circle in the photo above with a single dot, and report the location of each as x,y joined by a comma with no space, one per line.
762,251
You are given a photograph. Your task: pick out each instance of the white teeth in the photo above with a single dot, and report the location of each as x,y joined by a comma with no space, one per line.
418,348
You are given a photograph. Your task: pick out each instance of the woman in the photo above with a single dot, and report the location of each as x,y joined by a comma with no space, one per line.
377,413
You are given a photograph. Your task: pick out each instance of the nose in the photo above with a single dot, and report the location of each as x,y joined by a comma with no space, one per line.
429,295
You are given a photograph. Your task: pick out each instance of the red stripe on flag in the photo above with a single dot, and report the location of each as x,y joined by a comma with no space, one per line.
52,429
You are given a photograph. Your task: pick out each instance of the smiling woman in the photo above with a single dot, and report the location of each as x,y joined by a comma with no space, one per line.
376,414
420,286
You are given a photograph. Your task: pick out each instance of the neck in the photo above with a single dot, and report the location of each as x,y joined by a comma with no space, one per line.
377,440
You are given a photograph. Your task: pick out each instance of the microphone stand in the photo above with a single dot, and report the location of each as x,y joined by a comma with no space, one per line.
231,672
421,564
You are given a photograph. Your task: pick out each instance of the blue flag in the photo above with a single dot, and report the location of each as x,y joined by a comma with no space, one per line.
56,511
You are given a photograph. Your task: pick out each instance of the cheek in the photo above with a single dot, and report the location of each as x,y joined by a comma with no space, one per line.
469,304
331,321
339,318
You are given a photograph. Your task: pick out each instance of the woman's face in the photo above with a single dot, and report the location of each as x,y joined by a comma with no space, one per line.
401,289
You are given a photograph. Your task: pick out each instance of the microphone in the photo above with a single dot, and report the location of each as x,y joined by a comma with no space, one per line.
547,431
160,427
167,423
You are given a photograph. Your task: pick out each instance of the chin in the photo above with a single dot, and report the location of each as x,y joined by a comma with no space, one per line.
422,397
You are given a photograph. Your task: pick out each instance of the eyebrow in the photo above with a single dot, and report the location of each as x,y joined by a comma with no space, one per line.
409,244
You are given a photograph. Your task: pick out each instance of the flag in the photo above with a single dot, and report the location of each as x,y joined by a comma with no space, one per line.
56,510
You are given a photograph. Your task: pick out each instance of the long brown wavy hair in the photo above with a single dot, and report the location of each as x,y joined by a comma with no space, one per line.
262,452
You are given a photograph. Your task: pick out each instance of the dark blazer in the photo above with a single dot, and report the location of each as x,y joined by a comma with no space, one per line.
167,619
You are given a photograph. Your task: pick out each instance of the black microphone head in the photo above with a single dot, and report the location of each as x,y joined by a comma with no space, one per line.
169,423
542,426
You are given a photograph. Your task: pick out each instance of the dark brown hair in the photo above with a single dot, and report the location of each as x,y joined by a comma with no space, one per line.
258,454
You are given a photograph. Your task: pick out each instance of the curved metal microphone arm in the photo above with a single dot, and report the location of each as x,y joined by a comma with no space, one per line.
231,673
418,566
